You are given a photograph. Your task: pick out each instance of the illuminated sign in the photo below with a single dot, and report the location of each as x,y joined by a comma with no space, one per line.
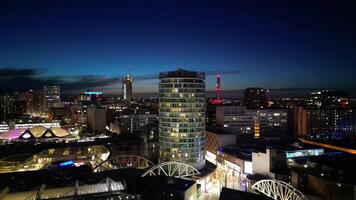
247,167
94,93
66,163
301,153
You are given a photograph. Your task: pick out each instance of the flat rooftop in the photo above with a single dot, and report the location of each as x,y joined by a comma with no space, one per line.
229,194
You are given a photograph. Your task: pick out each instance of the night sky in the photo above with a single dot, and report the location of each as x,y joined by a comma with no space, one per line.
281,45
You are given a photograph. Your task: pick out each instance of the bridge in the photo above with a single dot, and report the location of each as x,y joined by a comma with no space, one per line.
122,162
278,190
172,168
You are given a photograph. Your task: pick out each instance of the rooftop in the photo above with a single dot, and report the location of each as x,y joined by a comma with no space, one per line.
229,194
182,73
106,186
35,132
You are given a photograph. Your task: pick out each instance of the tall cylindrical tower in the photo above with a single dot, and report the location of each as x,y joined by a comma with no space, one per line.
182,117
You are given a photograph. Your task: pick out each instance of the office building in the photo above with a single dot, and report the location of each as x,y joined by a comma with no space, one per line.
19,108
96,119
38,102
6,104
34,102
51,97
300,122
326,121
327,99
257,123
133,124
255,98
182,117
127,88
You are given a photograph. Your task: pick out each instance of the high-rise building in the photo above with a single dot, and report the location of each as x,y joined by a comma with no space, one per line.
37,102
6,104
182,117
96,118
218,87
29,102
300,122
133,124
51,97
331,121
19,108
127,88
255,98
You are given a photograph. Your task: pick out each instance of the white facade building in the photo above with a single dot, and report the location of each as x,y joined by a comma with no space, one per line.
182,117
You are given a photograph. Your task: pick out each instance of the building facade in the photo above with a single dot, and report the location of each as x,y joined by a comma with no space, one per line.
300,122
6,104
127,88
51,97
182,117
257,123
255,98
96,118
324,121
133,124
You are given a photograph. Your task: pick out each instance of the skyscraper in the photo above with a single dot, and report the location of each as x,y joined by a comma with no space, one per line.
6,103
96,118
182,117
127,88
256,98
51,97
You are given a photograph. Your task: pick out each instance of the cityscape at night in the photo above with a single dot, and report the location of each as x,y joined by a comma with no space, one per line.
177,100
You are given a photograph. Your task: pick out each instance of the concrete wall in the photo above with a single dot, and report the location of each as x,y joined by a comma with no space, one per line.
191,193
261,163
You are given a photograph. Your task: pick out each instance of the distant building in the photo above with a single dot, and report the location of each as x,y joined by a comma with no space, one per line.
127,88
37,103
263,122
29,102
19,108
6,104
132,124
91,97
323,121
327,99
34,102
300,122
182,117
96,119
255,98
51,97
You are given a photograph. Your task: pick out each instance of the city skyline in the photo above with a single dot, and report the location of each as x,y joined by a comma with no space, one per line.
177,100
291,46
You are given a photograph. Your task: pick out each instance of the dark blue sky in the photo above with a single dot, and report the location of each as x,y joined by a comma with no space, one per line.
273,44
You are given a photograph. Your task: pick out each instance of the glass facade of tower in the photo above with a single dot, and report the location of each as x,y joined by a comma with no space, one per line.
182,117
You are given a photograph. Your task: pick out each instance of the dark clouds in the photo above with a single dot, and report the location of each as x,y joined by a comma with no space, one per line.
12,73
21,79
208,73
24,79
